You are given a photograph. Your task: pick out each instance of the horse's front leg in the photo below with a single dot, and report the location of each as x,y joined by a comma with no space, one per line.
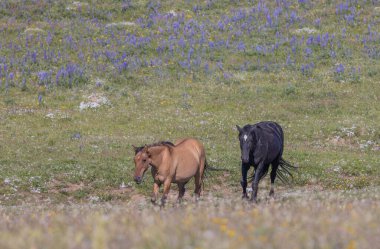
243,182
156,189
167,184
259,172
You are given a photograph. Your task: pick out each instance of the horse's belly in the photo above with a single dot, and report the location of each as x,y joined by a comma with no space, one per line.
181,179
184,174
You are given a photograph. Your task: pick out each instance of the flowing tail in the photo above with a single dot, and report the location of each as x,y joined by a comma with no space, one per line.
209,168
284,170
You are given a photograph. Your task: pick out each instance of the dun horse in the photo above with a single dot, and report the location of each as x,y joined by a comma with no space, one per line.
171,164
262,144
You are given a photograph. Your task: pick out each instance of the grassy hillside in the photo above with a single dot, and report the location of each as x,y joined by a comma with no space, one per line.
81,82
173,69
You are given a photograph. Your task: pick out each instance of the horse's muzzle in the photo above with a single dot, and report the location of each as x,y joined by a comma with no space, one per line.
138,179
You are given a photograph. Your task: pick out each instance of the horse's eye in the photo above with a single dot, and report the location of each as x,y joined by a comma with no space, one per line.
144,160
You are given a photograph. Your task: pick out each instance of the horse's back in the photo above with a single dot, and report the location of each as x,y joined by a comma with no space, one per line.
188,154
271,136
269,128
188,142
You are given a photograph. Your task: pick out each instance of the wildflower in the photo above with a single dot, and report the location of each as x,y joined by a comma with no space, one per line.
40,98
339,69
308,52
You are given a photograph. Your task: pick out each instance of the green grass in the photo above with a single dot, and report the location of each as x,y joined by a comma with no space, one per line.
330,119
61,168
43,149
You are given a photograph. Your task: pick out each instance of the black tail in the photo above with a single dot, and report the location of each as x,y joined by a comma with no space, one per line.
210,168
284,170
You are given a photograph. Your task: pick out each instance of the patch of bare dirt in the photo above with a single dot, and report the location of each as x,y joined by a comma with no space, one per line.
55,186
340,142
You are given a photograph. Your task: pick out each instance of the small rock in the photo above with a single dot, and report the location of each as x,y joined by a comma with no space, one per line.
50,115
76,135
95,101
76,5
122,185
173,13
305,30
34,30
120,24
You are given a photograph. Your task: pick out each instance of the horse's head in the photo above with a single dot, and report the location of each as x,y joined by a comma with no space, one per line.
142,161
246,142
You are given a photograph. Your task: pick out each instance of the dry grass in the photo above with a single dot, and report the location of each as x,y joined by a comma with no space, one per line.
297,218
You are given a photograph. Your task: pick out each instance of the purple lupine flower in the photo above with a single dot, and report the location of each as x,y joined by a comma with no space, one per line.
339,69
350,18
184,64
260,49
190,53
288,60
49,38
176,26
219,64
344,33
293,17
43,77
317,22
11,75
206,68
269,20
241,46
211,44
276,13
221,25
308,51
34,56
309,40
182,42
227,76
325,40
332,54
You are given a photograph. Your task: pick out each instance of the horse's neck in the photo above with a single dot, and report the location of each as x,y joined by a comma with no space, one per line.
157,154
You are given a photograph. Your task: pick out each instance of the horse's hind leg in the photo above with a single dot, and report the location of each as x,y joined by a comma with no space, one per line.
181,191
199,178
273,177
198,185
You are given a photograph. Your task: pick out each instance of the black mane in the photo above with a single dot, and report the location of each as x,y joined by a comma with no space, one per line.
165,143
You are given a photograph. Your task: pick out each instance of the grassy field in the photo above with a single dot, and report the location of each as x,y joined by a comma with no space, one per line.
172,69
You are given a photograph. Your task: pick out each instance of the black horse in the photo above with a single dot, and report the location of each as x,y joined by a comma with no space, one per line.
262,144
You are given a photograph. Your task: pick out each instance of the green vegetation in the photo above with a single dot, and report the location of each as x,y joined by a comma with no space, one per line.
172,69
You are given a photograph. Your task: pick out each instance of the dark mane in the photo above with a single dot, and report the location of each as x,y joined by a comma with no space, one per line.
161,143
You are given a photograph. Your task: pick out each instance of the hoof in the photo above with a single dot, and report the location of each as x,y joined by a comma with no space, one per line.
253,200
244,196
162,203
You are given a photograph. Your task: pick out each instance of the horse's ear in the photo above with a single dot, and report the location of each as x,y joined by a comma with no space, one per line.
134,148
239,129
